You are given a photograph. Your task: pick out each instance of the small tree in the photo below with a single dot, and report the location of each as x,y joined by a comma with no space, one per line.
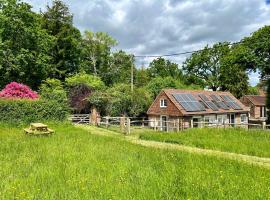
18,91
80,87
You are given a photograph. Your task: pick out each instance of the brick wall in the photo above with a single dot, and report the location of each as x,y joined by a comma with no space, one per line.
170,110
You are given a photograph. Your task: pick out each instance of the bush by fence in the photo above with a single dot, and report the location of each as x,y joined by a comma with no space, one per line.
26,111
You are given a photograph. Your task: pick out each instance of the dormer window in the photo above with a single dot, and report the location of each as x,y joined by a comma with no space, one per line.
163,103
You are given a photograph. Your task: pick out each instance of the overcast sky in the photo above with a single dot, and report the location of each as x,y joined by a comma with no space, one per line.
154,27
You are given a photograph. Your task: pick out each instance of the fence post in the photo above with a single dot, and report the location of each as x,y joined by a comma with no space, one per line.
191,123
128,126
155,124
264,125
178,125
122,124
107,121
143,123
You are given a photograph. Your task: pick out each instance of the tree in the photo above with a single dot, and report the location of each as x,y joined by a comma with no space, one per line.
24,45
164,68
233,75
53,89
80,87
259,45
206,65
65,51
220,68
120,100
141,77
96,51
159,83
120,69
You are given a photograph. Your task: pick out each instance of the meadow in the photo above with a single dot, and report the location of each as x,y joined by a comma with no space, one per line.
76,164
237,140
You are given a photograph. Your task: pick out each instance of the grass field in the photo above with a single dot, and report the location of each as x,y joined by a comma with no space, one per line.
74,164
252,142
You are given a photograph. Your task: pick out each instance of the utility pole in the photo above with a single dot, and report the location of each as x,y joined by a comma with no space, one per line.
132,74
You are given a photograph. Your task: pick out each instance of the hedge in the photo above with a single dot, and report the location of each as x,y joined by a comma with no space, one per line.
27,111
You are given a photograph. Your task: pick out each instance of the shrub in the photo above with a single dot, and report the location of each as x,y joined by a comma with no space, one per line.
80,88
27,111
53,89
18,91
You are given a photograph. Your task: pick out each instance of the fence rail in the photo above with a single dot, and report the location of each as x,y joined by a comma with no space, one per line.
127,125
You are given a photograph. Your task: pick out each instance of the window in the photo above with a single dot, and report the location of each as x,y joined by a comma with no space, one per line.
262,111
243,118
163,103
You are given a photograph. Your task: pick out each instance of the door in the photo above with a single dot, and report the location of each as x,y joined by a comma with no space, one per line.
163,123
232,120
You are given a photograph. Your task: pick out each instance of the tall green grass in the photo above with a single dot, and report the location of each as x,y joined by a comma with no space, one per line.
73,164
251,142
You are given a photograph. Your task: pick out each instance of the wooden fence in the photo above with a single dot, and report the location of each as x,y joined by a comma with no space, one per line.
127,125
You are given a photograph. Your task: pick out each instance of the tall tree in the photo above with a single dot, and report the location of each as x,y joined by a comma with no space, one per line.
233,73
259,46
205,65
96,52
164,68
24,45
65,51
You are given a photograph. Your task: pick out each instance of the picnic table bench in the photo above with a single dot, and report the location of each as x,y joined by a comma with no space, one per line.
38,129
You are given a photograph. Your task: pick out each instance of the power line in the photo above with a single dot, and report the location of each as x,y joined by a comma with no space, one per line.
181,53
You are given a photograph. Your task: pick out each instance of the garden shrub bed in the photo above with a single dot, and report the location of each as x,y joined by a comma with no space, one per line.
27,111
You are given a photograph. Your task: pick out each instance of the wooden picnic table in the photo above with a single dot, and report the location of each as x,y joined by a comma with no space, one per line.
38,129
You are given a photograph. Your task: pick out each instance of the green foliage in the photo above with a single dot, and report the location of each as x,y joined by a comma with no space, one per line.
26,111
164,68
141,77
91,81
119,100
220,68
253,90
159,83
65,50
24,45
74,164
206,65
237,140
259,47
53,89
96,54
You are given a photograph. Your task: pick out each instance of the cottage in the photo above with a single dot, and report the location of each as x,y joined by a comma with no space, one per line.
257,105
193,108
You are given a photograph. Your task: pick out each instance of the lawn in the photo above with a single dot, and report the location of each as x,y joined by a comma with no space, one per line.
74,164
251,142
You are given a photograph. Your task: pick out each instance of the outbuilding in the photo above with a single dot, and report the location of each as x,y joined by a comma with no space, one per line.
257,105
180,109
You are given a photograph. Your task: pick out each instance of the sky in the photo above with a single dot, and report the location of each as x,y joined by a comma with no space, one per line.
156,27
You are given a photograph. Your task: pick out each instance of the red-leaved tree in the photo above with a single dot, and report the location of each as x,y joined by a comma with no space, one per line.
18,91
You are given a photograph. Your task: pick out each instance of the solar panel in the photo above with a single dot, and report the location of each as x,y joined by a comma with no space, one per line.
219,103
230,102
209,103
189,103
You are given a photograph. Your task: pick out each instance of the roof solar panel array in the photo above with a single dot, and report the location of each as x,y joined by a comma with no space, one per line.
209,103
189,102
219,103
230,102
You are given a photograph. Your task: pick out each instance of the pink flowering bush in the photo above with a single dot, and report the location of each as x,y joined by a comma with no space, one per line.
18,91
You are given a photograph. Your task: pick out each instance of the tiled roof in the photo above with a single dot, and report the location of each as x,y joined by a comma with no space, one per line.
257,100
196,93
